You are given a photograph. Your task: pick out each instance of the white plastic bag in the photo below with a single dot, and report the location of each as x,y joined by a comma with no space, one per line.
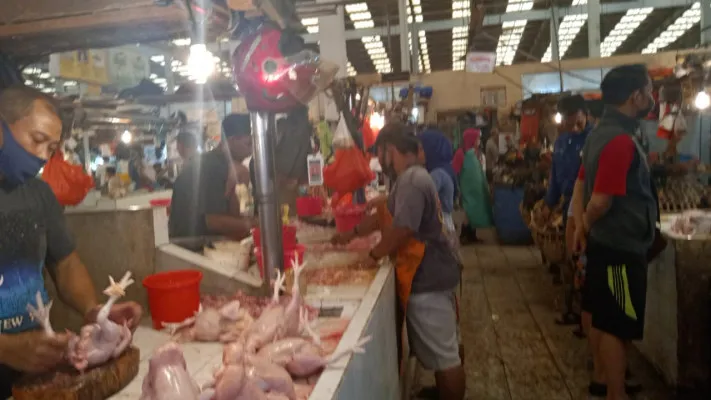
342,137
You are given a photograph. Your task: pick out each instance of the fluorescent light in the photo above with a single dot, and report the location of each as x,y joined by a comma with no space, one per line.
312,29
158,59
567,31
460,34
182,42
629,22
359,14
357,7
689,18
309,21
363,24
511,33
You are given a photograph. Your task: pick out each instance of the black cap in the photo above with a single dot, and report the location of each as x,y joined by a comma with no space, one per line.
236,125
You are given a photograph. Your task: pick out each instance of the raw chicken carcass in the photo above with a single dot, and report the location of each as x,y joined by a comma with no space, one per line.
103,340
168,377
212,325
282,351
270,325
234,384
269,377
309,360
692,222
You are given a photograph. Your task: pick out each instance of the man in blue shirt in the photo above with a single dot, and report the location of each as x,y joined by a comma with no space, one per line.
567,150
564,171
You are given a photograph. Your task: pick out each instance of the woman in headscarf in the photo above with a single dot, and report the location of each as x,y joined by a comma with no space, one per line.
472,184
437,157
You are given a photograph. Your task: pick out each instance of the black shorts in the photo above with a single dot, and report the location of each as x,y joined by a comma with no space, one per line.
615,291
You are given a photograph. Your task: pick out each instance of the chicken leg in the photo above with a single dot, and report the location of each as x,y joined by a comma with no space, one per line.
41,313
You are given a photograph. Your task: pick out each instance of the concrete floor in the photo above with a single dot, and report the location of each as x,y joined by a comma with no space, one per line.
513,348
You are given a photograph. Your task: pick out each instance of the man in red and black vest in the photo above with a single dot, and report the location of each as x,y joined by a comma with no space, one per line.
616,224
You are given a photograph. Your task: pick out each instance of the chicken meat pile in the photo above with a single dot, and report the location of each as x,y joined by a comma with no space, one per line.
692,222
277,354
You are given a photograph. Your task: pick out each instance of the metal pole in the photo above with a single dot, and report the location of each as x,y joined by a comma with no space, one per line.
264,142
87,150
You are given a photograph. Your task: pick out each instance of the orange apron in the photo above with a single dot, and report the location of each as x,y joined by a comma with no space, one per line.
407,259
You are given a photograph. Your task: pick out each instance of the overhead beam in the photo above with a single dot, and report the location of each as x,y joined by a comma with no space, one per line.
498,19
104,19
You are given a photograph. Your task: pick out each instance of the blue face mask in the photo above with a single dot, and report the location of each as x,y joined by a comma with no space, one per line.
16,164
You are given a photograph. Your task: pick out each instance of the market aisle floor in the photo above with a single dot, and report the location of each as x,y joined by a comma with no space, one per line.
513,348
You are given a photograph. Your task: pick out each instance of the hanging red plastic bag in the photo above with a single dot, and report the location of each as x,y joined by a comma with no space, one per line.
350,169
69,183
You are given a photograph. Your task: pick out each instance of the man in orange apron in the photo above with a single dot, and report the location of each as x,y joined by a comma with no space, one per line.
427,271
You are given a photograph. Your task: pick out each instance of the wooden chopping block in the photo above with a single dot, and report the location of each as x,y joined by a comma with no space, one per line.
97,383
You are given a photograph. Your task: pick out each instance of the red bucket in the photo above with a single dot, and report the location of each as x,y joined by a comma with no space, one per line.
288,238
173,296
309,206
348,216
161,203
289,254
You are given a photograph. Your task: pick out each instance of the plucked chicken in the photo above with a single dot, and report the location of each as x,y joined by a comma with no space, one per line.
225,324
103,340
692,222
168,377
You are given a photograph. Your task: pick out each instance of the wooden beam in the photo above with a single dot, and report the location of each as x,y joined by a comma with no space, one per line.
117,18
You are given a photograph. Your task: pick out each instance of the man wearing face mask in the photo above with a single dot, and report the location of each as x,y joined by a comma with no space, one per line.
34,236
427,269
615,225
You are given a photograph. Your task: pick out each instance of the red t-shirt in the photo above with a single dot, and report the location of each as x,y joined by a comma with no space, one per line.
612,166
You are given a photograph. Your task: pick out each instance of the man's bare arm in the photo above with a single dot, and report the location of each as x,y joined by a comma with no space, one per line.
74,286
233,227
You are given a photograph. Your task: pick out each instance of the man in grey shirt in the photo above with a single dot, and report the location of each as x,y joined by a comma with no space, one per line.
416,214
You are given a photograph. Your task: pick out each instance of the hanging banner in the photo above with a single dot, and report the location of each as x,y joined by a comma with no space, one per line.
83,65
127,67
480,62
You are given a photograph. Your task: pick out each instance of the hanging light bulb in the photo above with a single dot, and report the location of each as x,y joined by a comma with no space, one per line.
558,118
702,100
201,63
126,137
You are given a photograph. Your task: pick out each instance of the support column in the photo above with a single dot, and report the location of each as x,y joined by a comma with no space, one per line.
594,28
332,38
415,49
554,38
705,22
169,74
404,40
263,145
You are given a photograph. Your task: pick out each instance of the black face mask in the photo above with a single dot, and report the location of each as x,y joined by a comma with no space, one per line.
642,113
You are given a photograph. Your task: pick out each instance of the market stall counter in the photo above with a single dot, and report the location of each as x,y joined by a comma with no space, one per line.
678,312
372,374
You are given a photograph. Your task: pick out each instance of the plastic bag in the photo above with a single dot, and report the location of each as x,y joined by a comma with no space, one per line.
349,171
342,138
69,183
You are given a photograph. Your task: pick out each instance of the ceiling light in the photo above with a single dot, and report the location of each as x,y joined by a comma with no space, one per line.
363,24
629,22
702,100
201,63
309,21
357,7
312,29
511,33
182,42
567,31
689,18
158,58
126,137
